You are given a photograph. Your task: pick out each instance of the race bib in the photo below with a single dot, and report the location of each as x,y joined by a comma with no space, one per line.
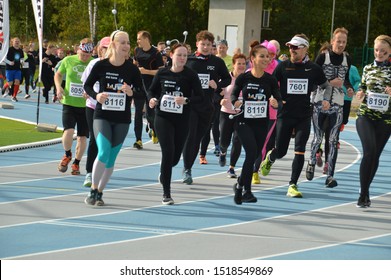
255,109
115,102
378,101
168,104
25,65
76,90
297,86
204,79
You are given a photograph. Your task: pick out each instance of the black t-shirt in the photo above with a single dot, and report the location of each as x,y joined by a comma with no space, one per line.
14,55
209,68
110,78
255,89
150,60
184,83
47,69
297,80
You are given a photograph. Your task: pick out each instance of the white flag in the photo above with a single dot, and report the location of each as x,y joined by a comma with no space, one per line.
38,14
4,29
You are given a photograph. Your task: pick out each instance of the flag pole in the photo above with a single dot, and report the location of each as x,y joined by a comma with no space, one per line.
38,15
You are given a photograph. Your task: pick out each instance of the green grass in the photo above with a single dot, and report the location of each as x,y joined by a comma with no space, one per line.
14,132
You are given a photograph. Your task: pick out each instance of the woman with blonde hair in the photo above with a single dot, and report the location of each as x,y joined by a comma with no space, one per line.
374,115
117,77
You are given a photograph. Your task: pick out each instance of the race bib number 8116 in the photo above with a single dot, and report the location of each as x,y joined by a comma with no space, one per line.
115,102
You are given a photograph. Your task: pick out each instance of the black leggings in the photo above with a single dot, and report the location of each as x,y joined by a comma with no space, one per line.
252,136
215,131
199,125
284,129
48,83
92,150
172,135
374,135
228,130
138,117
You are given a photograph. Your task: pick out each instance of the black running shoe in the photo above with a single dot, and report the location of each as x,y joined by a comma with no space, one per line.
167,200
248,197
99,200
309,172
238,193
363,201
223,160
91,198
331,182
187,179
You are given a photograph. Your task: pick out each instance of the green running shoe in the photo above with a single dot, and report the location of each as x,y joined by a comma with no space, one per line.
266,165
293,191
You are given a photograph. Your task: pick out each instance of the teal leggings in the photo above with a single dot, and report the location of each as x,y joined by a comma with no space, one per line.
110,137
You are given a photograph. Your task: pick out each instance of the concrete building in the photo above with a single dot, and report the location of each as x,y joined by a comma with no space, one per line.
237,21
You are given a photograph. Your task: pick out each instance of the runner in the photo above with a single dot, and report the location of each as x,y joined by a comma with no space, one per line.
92,149
227,121
74,104
13,70
259,89
374,115
335,64
116,75
149,60
297,77
172,92
214,76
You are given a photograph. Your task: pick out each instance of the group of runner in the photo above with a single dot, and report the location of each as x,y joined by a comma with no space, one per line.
185,99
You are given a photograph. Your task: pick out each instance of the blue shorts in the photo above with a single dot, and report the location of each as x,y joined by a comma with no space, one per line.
12,75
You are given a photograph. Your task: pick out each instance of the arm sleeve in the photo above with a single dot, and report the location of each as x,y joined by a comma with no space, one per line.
91,80
225,77
198,94
154,88
327,90
237,88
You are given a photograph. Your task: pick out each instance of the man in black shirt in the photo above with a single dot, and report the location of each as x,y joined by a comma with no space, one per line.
297,77
214,76
149,60
13,68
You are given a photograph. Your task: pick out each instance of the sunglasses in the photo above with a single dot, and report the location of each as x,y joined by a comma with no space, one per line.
292,47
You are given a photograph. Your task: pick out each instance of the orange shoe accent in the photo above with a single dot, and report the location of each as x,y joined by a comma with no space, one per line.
75,169
203,160
63,166
342,127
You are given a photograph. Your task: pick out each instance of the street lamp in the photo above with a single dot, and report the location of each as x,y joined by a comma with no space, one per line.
114,12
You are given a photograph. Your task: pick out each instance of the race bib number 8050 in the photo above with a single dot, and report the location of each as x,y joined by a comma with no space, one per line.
76,90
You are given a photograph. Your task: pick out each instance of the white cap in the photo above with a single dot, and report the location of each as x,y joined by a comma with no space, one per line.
298,41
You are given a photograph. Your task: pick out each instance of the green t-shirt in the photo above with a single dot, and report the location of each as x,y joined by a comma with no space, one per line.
72,68
228,62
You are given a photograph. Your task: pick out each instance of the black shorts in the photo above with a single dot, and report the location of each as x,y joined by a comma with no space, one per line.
72,116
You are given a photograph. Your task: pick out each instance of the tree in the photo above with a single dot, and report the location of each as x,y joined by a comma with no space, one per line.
313,18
